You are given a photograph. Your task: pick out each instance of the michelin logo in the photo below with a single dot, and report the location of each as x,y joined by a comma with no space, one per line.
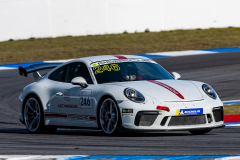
189,111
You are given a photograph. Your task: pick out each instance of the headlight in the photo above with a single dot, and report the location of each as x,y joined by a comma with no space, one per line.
134,95
209,91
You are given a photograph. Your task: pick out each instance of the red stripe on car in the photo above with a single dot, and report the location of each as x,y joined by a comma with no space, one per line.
167,87
70,116
55,115
120,57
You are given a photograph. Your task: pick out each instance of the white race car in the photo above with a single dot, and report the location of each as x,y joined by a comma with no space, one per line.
116,93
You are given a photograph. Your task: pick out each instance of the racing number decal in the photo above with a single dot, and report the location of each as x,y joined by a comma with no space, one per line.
85,101
99,69
106,68
115,67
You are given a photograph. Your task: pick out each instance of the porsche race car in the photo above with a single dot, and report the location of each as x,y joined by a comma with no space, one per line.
116,93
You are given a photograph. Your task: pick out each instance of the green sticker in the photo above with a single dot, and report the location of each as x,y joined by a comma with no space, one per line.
94,64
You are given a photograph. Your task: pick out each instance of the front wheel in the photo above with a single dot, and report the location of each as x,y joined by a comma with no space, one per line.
109,117
199,132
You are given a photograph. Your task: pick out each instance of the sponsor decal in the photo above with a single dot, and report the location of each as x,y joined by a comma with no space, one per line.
111,61
147,60
86,92
135,60
95,64
70,116
167,87
77,117
127,114
66,94
125,60
67,106
118,61
103,62
127,110
191,111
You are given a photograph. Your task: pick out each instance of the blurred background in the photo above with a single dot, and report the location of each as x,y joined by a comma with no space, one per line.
42,30
100,27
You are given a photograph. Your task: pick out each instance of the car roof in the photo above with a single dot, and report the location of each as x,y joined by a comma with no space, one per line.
90,60
111,57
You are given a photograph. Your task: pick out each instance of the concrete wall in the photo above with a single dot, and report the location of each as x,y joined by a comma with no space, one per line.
22,19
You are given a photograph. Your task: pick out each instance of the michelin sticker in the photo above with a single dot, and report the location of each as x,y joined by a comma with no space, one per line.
189,111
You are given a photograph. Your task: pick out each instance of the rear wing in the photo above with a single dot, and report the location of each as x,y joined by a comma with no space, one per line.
35,68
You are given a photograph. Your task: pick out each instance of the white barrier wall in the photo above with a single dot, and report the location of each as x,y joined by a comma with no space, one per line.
23,19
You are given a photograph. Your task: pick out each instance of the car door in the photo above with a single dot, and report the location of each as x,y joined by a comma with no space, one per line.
56,78
74,104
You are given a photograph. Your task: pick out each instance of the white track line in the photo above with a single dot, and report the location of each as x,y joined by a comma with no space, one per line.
229,158
233,125
6,68
34,157
183,53
231,101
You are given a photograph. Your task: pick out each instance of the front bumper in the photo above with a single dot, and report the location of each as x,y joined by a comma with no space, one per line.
208,118
122,129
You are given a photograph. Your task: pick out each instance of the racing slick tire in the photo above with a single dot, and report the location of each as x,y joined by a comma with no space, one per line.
109,116
34,118
200,132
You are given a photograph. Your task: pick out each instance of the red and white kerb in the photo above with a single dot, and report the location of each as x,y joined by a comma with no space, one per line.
167,87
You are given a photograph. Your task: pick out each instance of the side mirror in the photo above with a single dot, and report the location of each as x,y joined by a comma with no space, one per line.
176,75
79,81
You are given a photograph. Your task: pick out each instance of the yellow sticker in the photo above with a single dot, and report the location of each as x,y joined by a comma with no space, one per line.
106,68
115,67
177,111
99,69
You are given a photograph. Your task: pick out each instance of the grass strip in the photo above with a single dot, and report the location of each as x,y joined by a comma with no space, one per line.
233,109
33,50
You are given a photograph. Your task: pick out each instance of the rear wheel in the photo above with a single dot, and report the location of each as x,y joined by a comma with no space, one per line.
199,132
109,117
33,117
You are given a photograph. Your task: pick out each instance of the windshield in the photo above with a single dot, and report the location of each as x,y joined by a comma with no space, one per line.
130,70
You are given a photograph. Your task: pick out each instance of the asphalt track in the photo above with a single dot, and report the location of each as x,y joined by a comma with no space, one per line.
222,71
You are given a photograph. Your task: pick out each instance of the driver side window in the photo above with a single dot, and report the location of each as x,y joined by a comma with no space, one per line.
58,75
77,69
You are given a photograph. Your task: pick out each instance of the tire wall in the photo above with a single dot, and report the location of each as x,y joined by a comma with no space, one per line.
23,19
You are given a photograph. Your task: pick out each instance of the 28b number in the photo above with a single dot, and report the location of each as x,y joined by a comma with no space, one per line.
84,101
